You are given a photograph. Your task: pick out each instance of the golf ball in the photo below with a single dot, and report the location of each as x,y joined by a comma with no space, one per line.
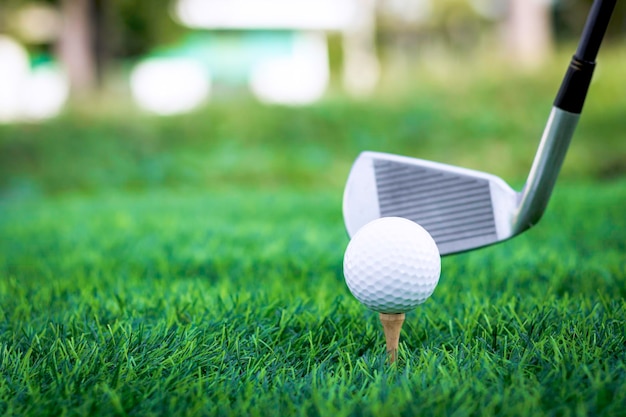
392,265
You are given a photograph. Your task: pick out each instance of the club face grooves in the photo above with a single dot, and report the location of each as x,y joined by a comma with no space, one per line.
455,209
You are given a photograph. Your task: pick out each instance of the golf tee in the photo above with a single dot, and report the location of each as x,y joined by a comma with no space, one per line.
392,324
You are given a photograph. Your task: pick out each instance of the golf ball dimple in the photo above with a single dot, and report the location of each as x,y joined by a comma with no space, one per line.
392,265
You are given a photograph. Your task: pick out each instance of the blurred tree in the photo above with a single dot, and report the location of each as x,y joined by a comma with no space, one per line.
96,32
117,30
75,45
570,16
135,26
525,30
528,32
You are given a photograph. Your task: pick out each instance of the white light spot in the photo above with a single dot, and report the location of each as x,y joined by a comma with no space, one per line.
44,93
268,14
14,69
170,85
299,79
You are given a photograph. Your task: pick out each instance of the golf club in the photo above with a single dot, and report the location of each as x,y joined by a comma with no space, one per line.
465,209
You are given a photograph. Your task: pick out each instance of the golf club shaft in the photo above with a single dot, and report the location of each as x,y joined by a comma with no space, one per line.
571,95
563,118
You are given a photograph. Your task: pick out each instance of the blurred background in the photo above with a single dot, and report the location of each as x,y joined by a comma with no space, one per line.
138,93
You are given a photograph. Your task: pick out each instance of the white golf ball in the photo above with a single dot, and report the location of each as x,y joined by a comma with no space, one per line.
392,265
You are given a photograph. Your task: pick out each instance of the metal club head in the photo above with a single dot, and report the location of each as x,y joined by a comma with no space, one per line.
462,209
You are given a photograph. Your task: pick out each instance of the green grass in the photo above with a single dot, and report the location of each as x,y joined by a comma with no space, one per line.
193,265
220,303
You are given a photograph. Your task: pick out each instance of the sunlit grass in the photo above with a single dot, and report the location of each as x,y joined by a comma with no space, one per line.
234,303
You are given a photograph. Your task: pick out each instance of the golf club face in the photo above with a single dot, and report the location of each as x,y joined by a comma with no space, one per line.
462,209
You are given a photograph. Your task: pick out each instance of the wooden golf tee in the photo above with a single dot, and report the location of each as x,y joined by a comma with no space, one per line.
392,324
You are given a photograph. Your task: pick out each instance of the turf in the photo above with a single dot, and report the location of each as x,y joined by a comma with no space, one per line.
193,265
173,303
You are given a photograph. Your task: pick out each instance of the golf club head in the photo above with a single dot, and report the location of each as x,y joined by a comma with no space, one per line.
461,208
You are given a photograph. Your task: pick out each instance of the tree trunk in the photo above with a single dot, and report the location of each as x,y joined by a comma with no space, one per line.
76,46
528,32
361,69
